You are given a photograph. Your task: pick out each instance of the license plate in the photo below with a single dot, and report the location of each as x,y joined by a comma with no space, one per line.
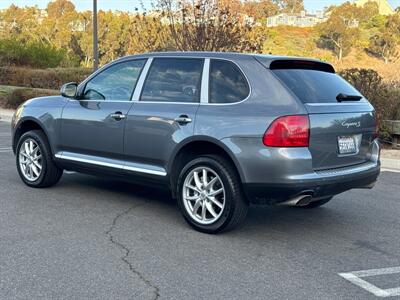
347,145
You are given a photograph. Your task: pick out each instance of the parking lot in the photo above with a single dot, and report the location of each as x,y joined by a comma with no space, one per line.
91,237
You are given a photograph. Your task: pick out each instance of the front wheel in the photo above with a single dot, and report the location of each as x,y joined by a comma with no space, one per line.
34,160
210,195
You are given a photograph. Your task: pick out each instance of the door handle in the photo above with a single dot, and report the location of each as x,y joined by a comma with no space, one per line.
118,116
183,119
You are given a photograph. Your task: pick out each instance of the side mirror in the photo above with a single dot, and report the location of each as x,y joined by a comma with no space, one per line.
69,90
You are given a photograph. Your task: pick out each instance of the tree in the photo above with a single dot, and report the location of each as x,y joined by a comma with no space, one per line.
113,35
60,24
340,31
260,10
368,11
205,25
148,33
291,6
60,8
385,43
20,23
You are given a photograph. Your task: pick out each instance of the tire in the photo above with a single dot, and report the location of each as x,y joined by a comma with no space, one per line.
232,206
318,203
49,174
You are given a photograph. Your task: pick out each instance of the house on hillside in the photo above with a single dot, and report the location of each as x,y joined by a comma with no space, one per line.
302,19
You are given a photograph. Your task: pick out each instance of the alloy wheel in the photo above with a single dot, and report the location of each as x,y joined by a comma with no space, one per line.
30,160
203,195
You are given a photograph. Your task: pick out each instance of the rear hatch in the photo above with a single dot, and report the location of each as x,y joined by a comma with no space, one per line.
342,122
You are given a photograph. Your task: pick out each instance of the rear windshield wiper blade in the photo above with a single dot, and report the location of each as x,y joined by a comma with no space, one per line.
343,97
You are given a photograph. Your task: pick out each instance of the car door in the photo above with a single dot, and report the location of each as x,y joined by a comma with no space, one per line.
92,126
164,113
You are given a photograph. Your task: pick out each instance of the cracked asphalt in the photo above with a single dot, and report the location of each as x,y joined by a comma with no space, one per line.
97,238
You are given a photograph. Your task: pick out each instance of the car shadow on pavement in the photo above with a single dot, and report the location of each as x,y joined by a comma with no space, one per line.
260,218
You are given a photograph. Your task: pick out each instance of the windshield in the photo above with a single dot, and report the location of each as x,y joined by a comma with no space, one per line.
312,86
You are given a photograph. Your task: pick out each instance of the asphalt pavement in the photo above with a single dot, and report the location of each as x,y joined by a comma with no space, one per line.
98,238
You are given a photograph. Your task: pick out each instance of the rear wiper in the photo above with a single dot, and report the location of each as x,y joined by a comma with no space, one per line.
343,97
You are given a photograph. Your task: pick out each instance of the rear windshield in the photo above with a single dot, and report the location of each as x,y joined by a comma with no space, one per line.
313,86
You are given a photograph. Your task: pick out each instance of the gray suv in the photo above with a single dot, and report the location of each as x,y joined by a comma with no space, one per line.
221,130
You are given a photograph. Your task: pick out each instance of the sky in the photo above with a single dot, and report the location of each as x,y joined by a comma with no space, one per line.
129,5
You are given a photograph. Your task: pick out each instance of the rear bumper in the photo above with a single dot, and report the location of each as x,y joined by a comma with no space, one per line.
320,184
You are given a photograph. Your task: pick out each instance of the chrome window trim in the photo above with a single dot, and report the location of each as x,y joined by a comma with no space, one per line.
142,78
82,85
246,78
110,165
102,101
143,75
205,58
168,102
204,81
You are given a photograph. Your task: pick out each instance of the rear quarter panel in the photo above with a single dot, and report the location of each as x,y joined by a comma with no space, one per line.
241,126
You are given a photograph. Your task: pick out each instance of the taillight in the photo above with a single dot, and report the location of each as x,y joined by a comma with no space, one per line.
288,131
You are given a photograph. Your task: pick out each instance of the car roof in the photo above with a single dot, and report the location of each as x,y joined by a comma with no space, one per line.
267,59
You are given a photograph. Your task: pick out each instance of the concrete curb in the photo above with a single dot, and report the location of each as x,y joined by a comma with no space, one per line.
390,163
6,115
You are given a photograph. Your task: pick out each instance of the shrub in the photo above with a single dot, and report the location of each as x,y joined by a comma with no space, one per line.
45,79
20,95
33,54
385,97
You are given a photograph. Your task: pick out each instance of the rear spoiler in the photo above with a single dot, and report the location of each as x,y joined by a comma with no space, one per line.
276,63
301,64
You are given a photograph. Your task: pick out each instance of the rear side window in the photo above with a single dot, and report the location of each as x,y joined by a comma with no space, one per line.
227,83
313,86
173,80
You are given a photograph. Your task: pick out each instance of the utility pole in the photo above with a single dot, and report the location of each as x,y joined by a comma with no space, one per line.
95,41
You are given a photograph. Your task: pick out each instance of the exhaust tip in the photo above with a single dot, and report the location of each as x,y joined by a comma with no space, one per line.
304,201
300,200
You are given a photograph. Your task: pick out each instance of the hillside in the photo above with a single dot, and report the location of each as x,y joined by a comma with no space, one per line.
286,40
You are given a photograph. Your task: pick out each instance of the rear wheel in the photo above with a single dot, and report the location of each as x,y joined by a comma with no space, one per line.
210,196
318,203
35,163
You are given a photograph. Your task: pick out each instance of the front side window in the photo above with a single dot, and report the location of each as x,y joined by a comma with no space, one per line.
173,80
116,83
227,83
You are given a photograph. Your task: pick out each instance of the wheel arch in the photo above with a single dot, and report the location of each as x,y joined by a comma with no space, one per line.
27,124
198,145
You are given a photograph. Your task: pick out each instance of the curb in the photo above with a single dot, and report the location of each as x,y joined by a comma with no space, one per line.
6,115
390,163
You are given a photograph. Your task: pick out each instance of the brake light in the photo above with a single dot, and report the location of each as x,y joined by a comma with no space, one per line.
288,131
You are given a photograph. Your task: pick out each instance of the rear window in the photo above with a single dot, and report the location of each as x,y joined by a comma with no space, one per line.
313,86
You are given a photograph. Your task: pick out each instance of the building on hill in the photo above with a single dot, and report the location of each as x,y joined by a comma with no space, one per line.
305,19
383,5
302,19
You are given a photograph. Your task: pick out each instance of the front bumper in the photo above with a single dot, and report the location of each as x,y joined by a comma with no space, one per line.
320,184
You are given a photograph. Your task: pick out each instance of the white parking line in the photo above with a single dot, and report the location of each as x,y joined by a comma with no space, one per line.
355,278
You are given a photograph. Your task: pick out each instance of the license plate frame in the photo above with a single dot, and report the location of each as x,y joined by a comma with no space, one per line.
347,145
